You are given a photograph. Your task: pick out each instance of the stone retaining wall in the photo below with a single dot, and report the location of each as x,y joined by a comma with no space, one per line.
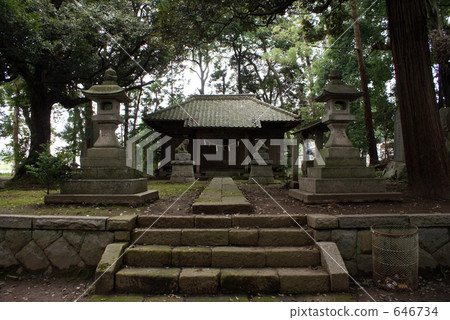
354,239
50,243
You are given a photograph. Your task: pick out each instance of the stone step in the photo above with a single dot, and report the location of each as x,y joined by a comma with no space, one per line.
268,237
221,196
342,162
341,172
221,221
342,185
322,198
226,280
222,257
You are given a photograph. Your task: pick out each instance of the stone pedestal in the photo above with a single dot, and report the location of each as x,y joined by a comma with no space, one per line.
182,168
261,172
343,178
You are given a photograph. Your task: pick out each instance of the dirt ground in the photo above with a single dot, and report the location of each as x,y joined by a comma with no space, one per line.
263,204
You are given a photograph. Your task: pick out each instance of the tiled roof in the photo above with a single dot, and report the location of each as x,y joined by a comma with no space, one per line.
223,111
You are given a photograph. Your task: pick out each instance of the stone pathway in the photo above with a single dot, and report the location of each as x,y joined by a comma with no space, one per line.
222,196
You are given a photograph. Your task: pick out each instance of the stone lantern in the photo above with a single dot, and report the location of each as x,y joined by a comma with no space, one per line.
337,96
104,177
108,96
341,174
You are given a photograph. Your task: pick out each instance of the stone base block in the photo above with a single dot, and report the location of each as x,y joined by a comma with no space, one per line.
147,280
342,185
204,237
106,153
340,152
182,171
263,174
292,257
303,280
181,179
107,199
285,237
341,172
240,237
236,257
191,257
199,281
170,237
149,256
183,156
104,158
249,280
342,162
104,186
312,198
106,173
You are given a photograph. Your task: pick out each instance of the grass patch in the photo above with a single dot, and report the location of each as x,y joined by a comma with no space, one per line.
169,189
18,201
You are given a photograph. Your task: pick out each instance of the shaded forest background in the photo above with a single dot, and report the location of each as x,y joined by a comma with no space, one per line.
281,51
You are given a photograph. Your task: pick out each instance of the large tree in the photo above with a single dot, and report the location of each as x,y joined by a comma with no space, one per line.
56,46
426,161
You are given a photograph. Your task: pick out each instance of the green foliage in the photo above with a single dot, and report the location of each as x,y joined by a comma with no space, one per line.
14,95
50,169
58,47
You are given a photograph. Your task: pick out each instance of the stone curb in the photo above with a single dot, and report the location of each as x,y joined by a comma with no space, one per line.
322,221
69,222
334,264
430,220
366,221
121,223
15,221
112,252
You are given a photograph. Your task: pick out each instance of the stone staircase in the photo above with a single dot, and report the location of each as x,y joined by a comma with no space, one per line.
210,254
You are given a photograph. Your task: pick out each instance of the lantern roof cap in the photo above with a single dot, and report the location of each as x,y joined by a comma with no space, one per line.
337,89
108,89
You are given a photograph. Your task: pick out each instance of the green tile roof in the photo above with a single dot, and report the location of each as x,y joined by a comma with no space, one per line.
223,111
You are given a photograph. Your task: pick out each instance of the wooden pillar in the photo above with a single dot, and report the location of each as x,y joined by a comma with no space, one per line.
294,184
197,165
246,153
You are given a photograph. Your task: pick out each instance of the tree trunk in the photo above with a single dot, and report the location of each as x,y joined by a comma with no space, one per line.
40,130
370,136
16,138
426,161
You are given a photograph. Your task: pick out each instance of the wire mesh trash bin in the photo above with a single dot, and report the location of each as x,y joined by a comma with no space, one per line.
395,253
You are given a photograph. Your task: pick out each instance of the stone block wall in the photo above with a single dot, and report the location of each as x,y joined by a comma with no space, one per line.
353,237
51,243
